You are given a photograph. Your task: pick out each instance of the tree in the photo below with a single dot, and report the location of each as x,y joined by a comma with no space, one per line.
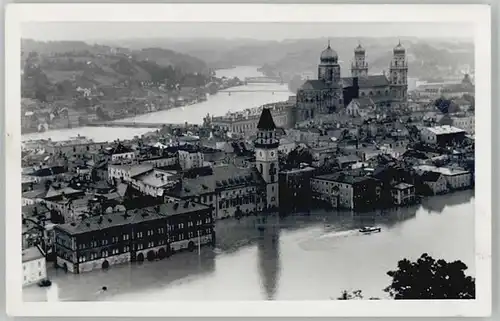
428,278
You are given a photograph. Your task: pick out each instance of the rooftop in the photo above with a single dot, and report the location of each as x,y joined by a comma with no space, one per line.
448,171
226,176
402,186
367,82
266,121
446,129
134,169
132,217
344,178
156,178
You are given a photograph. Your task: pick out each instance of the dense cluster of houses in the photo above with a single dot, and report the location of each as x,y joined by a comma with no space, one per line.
89,205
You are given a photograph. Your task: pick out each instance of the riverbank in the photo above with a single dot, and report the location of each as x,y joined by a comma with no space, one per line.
307,257
248,96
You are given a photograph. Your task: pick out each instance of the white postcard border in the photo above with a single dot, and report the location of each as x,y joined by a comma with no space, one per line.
477,14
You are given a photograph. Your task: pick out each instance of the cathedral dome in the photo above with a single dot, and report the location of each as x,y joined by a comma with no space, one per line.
359,49
329,55
399,49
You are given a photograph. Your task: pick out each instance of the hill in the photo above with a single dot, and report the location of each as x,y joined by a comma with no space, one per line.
428,58
58,68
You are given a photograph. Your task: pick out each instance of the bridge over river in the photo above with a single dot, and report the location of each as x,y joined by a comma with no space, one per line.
255,91
264,80
135,124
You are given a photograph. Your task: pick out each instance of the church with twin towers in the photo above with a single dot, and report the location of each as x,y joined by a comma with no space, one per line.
331,93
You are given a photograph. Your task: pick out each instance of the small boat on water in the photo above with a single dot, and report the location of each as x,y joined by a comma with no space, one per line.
370,229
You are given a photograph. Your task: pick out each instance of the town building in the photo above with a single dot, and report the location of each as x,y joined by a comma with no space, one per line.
230,191
190,159
456,178
266,156
295,194
155,181
48,173
330,92
119,154
464,122
149,233
403,194
245,122
76,146
34,265
436,182
347,191
442,135
125,172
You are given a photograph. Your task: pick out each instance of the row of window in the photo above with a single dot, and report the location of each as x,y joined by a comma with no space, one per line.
137,247
139,235
239,201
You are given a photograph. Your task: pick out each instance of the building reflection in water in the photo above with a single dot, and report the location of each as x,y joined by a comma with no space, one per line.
437,204
268,248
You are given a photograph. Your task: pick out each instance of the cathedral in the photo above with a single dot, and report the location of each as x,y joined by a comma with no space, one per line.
331,92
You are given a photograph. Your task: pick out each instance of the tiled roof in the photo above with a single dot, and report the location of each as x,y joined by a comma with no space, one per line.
156,179
133,217
135,169
223,177
402,186
49,171
367,82
347,159
56,192
344,178
314,84
430,176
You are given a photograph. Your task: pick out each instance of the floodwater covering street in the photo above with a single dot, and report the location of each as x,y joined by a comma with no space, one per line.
299,257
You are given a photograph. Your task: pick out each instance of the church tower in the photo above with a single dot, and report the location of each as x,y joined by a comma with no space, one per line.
359,66
266,156
398,76
329,68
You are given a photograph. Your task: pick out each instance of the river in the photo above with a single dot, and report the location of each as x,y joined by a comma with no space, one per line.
307,257
247,96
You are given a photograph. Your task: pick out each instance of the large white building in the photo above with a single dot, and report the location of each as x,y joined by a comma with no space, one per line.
466,123
34,267
441,135
189,160
456,178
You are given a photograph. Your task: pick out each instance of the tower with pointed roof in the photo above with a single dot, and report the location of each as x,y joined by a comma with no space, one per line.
266,156
398,76
359,66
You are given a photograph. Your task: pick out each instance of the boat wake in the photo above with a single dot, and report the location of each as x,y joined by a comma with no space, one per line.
339,234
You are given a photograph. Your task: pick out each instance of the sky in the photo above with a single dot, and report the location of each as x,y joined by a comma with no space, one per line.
94,31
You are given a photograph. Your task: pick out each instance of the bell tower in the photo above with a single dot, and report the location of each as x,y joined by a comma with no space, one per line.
266,156
398,76
359,66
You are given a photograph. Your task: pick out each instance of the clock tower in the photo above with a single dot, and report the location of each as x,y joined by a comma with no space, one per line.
398,78
266,156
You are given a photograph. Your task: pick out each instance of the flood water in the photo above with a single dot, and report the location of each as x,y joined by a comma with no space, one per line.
303,257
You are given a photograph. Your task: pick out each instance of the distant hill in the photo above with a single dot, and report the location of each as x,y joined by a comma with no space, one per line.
428,58
57,68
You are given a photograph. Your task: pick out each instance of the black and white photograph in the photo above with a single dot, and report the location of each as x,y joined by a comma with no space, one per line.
207,159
